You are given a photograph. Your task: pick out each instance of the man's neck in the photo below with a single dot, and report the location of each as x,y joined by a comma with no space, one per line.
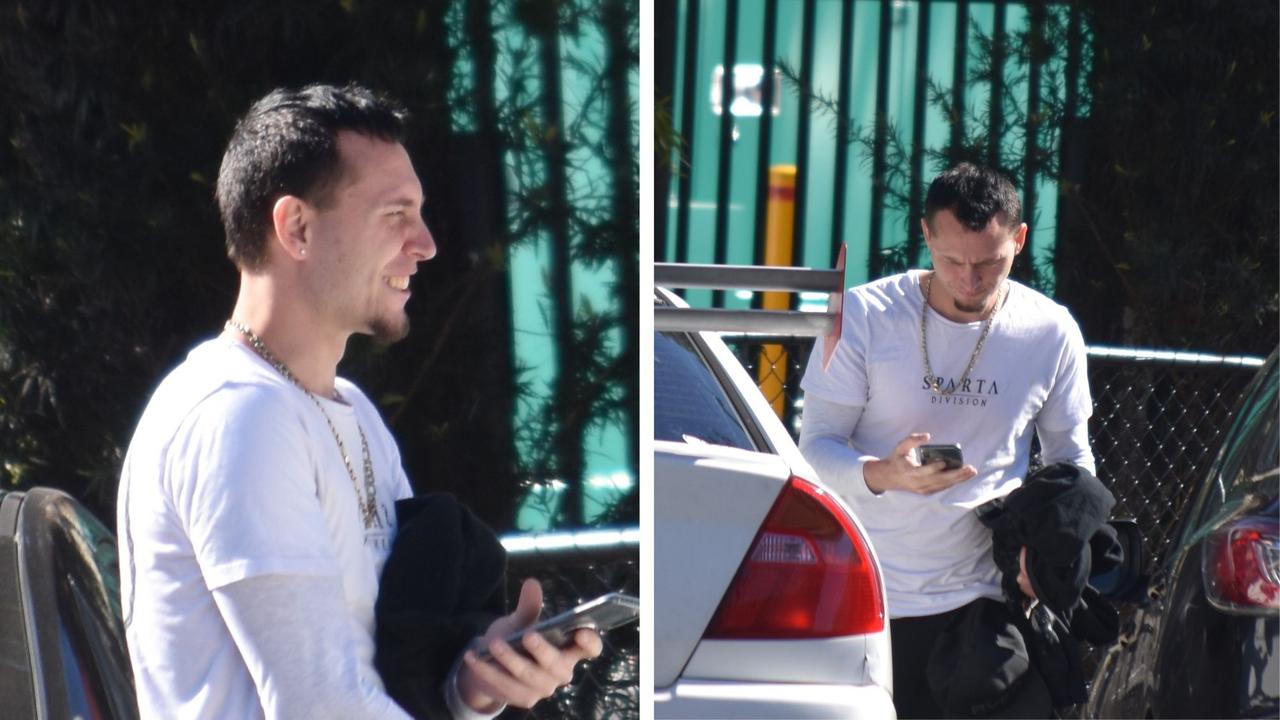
293,335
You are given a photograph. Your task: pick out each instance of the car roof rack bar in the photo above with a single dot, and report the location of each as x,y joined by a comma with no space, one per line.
782,322
767,278
753,277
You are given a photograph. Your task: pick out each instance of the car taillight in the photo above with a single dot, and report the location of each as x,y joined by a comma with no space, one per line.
808,574
1241,566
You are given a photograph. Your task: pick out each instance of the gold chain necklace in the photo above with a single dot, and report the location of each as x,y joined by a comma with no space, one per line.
935,383
369,504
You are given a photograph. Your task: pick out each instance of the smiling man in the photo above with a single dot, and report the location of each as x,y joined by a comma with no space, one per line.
256,505
959,354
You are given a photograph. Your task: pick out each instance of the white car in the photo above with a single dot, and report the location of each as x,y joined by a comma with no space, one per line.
768,598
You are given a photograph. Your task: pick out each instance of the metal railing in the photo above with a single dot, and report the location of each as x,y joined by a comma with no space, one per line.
1158,419
752,277
573,568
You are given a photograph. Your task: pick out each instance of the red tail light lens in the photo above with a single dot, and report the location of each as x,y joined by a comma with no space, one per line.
808,574
1241,566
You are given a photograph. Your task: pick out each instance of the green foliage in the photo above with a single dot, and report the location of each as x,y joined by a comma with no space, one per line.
110,244
1175,241
1164,152
557,159
114,116
1020,143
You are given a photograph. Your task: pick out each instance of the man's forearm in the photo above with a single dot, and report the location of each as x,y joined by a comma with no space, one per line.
824,441
1070,445
298,640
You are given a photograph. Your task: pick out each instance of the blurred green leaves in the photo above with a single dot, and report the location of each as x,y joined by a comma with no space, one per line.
114,117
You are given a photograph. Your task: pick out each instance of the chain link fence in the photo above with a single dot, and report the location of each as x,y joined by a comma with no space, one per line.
608,686
1156,427
1158,419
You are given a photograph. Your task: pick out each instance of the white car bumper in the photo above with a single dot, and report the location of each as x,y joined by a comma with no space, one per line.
724,699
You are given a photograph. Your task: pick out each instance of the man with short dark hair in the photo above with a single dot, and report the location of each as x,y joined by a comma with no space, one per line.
959,354
256,504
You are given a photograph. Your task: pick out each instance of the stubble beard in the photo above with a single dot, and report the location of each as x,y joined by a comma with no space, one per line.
389,330
983,306
971,309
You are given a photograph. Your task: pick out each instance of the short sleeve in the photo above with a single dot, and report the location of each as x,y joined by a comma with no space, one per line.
381,435
244,486
1069,402
404,490
844,380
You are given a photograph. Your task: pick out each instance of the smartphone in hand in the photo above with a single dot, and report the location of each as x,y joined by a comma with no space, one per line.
601,614
949,454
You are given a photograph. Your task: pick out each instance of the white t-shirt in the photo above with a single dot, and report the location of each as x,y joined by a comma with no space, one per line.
234,474
935,554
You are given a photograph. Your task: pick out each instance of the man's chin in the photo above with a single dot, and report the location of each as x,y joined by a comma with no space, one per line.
387,331
980,305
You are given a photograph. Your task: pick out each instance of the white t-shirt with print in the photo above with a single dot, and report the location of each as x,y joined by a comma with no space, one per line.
232,474
935,554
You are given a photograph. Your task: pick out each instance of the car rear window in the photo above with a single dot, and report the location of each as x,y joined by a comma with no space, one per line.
689,405
1251,455
1246,475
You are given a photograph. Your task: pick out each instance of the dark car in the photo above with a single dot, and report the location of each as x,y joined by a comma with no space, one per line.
1206,640
62,646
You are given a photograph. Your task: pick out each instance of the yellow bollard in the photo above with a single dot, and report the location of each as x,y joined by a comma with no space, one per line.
779,226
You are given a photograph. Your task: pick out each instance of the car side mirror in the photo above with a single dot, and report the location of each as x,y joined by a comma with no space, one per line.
1126,582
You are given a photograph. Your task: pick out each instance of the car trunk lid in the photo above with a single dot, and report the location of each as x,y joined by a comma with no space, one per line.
709,503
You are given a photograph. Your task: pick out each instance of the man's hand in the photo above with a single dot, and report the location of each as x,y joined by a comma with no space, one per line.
1024,580
513,678
901,471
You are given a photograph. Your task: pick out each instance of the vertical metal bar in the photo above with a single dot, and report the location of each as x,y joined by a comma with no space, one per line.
1025,270
1069,157
764,155
479,30
617,17
725,152
569,451
771,368
838,200
959,80
1074,41
874,260
919,103
664,80
689,100
995,122
807,43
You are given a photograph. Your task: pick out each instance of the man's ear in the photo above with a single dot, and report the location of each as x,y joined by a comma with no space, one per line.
928,236
289,221
1020,238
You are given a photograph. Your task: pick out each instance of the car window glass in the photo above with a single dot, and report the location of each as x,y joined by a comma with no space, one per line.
95,663
17,689
1247,474
1256,476
689,405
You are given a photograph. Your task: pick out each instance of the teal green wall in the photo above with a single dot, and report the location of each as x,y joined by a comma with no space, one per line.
608,475
814,250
